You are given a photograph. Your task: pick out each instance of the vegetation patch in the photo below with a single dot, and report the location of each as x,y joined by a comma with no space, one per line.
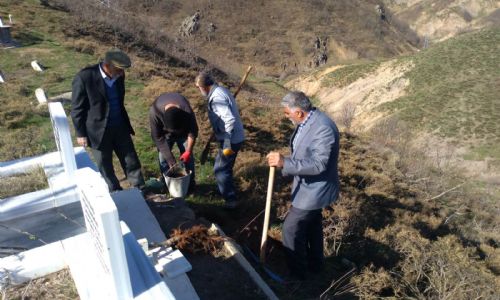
346,75
34,180
454,88
59,285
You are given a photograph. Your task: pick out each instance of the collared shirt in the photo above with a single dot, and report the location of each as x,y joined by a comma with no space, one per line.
108,80
300,127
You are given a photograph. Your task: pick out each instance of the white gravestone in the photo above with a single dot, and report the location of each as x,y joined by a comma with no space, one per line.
36,66
63,139
40,96
103,226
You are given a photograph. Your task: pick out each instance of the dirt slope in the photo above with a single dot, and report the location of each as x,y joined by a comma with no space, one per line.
276,36
440,20
383,84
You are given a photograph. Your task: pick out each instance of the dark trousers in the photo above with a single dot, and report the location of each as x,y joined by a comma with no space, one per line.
182,147
303,240
223,170
118,139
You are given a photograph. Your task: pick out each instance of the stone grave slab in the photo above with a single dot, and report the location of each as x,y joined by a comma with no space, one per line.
110,275
47,226
132,208
143,275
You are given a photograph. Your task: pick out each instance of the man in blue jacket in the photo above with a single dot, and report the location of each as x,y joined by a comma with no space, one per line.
226,122
313,165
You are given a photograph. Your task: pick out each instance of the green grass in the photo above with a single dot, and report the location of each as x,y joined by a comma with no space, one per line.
26,129
454,91
346,75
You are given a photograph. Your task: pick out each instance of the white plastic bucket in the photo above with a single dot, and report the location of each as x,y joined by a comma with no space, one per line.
178,186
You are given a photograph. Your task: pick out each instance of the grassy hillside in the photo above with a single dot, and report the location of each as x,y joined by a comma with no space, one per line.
24,128
453,92
449,90
275,36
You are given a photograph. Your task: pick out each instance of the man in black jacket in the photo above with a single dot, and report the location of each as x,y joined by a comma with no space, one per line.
172,121
101,121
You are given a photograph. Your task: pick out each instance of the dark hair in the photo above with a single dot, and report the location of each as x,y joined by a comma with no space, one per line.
204,79
176,120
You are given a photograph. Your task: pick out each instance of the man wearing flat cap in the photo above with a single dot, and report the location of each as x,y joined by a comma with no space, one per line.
172,121
101,121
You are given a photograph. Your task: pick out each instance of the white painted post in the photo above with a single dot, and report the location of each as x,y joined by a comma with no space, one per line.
62,136
10,18
101,219
1,22
40,96
2,79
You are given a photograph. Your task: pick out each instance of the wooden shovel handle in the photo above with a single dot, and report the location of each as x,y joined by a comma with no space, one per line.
249,69
267,214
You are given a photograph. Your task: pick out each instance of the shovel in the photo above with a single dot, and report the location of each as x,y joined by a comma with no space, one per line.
267,214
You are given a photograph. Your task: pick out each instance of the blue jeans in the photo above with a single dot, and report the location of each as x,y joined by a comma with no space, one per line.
181,143
223,171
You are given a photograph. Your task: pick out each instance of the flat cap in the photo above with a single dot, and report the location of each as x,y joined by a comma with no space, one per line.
118,59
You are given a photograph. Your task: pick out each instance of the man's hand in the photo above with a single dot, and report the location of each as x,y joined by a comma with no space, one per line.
82,141
275,159
185,157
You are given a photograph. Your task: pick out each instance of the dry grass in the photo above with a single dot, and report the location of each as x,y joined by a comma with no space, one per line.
59,285
197,239
19,184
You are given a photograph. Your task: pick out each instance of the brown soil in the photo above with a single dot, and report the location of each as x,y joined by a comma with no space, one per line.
214,276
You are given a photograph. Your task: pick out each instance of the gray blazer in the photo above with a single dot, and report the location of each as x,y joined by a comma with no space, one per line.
314,163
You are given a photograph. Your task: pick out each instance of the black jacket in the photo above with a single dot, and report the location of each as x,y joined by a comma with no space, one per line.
159,130
90,106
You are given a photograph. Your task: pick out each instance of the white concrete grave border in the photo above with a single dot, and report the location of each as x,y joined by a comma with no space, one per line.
106,262
59,168
103,226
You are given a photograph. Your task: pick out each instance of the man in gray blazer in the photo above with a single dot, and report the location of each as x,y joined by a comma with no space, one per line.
313,165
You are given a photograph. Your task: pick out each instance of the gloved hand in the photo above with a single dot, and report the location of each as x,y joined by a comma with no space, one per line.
226,148
185,157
